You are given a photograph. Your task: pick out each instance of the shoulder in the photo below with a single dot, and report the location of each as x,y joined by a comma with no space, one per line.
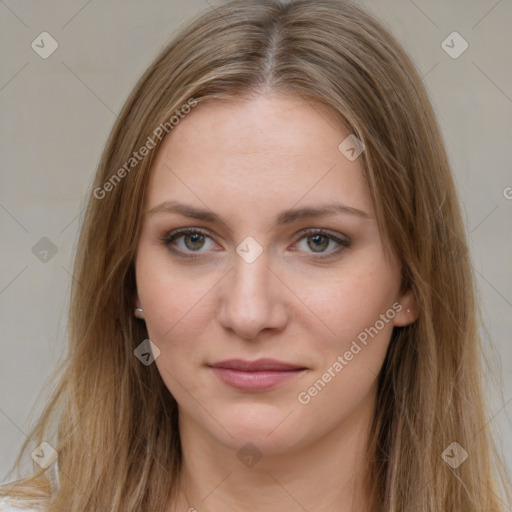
18,505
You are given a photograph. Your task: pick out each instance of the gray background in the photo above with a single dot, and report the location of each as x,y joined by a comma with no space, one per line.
57,113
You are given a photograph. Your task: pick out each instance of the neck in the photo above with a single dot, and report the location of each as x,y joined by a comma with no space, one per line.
324,476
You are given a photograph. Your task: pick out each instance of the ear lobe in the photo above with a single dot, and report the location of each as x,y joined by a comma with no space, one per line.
410,310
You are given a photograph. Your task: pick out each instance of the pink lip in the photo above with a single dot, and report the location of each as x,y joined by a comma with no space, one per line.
258,375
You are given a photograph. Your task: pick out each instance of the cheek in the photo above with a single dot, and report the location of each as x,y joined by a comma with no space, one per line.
358,311
175,303
355,301
176,312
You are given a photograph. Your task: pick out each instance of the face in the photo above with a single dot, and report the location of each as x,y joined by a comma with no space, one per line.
265,315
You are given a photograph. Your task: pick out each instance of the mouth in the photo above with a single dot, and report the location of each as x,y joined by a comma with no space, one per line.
259,375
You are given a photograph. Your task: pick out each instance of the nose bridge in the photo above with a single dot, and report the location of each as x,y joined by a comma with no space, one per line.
251,278
251,300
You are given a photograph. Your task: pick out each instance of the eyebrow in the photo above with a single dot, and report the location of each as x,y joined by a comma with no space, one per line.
284,218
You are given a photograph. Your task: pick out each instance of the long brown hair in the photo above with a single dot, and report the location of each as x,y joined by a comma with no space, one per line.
112,420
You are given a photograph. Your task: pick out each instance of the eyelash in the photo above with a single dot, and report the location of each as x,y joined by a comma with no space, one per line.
170,237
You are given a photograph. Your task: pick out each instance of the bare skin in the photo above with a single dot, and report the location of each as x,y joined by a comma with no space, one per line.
204,302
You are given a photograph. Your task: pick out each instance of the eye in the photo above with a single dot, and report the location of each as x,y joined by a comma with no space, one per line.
320,239
193,240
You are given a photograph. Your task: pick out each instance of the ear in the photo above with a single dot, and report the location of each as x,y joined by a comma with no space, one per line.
409,312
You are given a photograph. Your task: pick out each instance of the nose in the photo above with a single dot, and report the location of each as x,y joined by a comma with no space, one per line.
253,299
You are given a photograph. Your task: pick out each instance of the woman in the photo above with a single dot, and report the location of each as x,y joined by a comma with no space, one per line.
273,305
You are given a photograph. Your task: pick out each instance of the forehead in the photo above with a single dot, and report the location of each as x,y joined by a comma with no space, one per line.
261,154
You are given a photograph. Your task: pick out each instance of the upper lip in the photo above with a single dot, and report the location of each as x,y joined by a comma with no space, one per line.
257,365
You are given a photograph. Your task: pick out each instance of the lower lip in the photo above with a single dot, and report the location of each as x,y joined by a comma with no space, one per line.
255,380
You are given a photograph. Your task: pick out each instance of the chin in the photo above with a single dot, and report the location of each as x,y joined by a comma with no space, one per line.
263,428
